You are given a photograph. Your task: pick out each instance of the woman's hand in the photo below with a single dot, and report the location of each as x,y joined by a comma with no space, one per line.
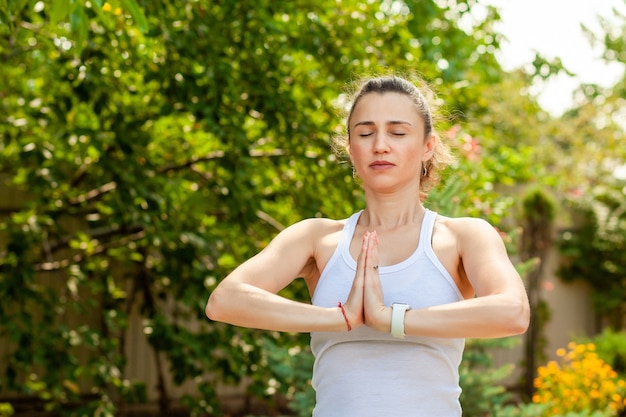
354,304
376,314
365,304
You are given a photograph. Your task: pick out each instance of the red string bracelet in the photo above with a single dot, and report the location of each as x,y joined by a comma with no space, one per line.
344,315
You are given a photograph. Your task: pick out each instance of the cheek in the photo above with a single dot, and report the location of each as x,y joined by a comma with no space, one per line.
356,154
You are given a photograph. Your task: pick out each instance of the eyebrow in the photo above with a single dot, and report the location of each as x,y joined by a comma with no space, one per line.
390,122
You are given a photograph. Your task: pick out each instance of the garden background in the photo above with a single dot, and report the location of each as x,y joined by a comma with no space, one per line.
147,148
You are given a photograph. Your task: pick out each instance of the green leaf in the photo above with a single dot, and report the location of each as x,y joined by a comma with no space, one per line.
80,25
137,13
59,9
5,16
105,17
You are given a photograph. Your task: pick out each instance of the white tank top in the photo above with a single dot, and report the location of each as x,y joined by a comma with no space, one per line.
366,373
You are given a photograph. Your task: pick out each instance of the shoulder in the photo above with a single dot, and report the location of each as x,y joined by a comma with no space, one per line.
464,225
304,246
309,231
317,226
467,231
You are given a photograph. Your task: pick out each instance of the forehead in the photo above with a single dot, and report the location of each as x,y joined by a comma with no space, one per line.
382,107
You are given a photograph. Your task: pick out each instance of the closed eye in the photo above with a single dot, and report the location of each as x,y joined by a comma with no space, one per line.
365,134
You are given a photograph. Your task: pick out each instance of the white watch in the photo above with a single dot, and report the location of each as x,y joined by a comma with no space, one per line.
397,319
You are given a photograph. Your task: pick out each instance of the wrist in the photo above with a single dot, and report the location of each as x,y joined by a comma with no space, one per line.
345,317
379,319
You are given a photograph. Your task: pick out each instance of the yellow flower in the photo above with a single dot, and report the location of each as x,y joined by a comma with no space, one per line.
580,381
553,366
106,7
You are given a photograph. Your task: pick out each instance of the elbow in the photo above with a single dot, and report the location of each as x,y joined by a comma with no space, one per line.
224,303
209,310
212,309
521,319
520,326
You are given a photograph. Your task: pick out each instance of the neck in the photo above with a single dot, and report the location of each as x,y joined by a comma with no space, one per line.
391,211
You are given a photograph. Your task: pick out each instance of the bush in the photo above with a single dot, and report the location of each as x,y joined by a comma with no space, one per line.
483,389
611,347
6,410
582,383
542,410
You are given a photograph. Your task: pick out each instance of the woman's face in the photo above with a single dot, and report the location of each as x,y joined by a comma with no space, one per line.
387,144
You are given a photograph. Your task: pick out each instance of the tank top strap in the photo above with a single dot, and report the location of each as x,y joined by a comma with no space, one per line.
426,234
348,233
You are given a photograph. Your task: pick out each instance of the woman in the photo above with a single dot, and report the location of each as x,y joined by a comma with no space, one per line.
395,288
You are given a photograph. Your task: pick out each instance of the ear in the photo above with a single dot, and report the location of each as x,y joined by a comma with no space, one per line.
430,145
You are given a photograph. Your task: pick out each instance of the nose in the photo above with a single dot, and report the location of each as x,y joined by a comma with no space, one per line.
381,143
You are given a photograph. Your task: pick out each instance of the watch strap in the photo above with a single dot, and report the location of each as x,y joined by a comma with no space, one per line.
397,319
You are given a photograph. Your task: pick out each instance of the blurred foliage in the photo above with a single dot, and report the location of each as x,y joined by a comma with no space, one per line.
537,219
540,410
147,148
595,250
6,410
610,347
482,382
594,247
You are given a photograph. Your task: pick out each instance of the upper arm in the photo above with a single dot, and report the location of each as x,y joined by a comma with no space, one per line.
485,260
282,260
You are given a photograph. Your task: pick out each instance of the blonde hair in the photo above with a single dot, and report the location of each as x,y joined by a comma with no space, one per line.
418,94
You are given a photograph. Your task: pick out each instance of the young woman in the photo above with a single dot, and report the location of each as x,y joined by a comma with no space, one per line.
395,288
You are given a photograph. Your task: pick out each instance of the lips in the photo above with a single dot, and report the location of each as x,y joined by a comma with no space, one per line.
381,164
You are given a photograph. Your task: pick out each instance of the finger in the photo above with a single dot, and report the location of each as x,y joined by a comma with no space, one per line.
354,303
372,276
372,252
362,259
373,292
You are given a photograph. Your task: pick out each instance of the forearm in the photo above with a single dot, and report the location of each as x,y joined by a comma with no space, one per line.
490,316
249,306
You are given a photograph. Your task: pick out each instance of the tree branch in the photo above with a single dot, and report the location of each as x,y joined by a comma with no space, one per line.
95,193
194,160
64,263
270,220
